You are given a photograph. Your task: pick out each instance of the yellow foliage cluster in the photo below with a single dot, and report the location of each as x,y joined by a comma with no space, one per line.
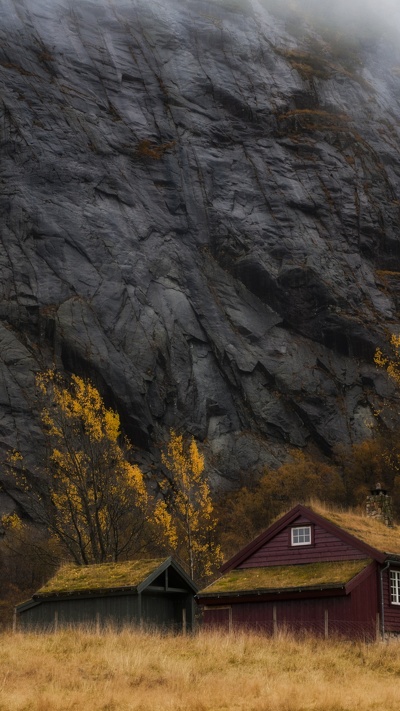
11,522
186,515
93,501
391,365
80,403
89,496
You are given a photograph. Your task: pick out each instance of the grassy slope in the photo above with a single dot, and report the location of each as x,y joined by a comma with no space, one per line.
208,672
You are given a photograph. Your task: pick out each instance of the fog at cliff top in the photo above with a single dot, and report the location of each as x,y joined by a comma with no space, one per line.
353,17
341,11
359,18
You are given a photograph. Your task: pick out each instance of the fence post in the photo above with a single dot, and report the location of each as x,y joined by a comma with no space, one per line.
56,621
230,622
140,610
274,621
97,622
183,620
326,624
14,623
378,627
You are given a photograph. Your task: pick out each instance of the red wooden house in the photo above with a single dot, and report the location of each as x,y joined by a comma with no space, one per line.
336,573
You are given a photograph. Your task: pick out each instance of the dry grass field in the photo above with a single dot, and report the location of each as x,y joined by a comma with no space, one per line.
141,671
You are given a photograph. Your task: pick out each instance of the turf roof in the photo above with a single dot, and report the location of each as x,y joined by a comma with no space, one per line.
286,576
85,578
366,529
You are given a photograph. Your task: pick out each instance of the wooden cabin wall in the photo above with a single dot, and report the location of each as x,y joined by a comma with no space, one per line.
278,551
352,616
116,610
160,611
391,612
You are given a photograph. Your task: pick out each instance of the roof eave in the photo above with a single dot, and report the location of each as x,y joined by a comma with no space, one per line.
272,591
86,592
395,557
26,605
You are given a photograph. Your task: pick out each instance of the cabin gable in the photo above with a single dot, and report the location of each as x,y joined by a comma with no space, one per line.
284,549
328,542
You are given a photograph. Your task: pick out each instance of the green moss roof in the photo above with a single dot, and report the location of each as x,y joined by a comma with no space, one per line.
86,578
286,576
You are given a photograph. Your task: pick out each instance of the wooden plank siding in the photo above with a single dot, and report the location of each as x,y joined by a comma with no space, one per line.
218,617
325,546
364,606
352,615
391,611
117,610
161,611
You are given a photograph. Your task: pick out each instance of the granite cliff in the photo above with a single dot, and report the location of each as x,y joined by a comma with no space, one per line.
199,209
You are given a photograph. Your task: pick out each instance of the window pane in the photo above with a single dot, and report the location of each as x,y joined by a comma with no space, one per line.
301,535
395,586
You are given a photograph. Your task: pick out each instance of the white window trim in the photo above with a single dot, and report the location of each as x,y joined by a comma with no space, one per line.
395,587
301,543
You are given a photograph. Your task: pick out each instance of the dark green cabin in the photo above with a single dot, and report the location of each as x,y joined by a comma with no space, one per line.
155,593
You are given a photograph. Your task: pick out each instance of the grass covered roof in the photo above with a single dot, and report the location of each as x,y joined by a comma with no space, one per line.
281,577
87,578
366,529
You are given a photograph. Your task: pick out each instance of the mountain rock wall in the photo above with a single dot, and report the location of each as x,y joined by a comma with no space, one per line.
199,209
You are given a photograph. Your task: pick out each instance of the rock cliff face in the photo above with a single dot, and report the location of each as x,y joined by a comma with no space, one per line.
199,210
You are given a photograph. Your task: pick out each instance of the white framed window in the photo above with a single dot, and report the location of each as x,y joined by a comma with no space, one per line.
301,536
395,587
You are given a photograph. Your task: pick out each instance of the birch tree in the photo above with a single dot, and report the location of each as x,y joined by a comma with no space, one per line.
88,495
186,513
390,363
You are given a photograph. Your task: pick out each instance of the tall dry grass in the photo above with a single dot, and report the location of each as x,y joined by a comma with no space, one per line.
141,671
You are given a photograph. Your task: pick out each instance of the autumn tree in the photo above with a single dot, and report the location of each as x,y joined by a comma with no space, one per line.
362,464
378,458
88,496
390,363
186,513
248,511
27,559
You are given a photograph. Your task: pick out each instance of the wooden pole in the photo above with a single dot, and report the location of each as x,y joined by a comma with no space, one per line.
14,623
378,627
230,622
97,622
183,620
56,621
326,624
274,621
140,610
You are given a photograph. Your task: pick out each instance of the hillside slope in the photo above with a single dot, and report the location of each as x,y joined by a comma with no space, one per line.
199,210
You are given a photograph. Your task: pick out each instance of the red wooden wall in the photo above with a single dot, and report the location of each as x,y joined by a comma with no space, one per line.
278,551
352,615
391,612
